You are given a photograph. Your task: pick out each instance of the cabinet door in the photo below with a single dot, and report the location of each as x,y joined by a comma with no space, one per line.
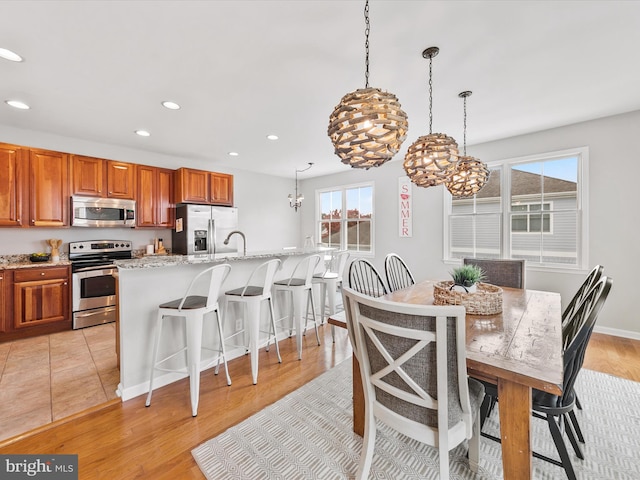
145,203
48,188
121,178
41,301
164,194
12,186
222,189
88,175
192,186
3,316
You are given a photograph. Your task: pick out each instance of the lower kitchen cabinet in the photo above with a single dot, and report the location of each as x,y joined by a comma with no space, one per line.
37,301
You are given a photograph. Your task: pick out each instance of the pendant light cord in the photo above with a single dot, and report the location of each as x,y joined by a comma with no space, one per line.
367,29
465,127
430,95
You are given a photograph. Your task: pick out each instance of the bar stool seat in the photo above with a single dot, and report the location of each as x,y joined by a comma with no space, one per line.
256,291
191,310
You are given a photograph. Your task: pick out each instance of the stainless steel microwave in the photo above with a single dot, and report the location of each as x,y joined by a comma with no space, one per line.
102,212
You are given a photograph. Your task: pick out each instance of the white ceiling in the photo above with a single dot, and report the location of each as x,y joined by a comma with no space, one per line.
98,70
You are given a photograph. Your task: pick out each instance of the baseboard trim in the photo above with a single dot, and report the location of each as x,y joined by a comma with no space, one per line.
616,332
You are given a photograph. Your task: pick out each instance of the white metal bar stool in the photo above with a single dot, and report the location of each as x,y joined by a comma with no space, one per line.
300,285
257,290
192,310
329,282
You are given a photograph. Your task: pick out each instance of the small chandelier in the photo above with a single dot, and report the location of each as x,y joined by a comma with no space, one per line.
431,159
295,201
470,174
368,126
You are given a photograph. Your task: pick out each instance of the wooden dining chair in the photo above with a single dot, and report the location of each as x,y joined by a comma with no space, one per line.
559,410
364,278
502,273
397,272
414,373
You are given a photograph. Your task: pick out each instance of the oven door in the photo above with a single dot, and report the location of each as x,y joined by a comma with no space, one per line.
94,287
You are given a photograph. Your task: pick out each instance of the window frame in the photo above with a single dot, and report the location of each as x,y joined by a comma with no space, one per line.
582,210
344,220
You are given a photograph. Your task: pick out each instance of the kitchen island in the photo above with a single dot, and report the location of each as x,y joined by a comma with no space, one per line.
145,283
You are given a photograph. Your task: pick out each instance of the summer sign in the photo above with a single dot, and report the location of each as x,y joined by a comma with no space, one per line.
405,214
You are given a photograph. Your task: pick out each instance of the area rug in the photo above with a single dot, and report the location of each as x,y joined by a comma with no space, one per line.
308,435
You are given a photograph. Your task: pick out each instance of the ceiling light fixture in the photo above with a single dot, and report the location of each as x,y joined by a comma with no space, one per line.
470,174
143,133
368,126
17,104
272,137
296,201
171,105
431,159
233,154
9,55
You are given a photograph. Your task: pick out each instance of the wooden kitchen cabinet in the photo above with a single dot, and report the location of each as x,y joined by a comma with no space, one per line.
154,200
200,186
48,188
3,317
37,301
13,186
96,177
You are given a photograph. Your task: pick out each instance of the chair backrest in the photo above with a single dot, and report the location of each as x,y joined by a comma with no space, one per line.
503,273
588,283
341,262
303,271
413,365
574,353
364,278
397,273
587,312
262,276
218,274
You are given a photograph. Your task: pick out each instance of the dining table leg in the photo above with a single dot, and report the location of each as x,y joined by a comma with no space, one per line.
515,429
358,398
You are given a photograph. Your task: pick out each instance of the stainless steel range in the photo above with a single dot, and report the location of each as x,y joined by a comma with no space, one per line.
93,284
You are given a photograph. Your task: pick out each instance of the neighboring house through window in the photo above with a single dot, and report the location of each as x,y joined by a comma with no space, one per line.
345,217
532,208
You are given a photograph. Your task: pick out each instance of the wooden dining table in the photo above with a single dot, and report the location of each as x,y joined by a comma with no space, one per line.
517,349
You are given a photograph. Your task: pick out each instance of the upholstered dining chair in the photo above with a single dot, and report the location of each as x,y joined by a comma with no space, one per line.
397,272
414,374
560,409
364,278
502,273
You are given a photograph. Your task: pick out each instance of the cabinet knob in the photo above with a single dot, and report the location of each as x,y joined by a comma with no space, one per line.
42,274
65,283
33,221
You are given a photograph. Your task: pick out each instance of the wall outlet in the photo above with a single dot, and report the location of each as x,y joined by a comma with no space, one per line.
238,324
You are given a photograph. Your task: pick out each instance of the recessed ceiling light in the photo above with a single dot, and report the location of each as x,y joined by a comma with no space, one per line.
9,55
171,105
18,104
233,154
143,133
272,137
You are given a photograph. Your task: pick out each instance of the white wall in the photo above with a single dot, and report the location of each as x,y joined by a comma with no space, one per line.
614,170
261,200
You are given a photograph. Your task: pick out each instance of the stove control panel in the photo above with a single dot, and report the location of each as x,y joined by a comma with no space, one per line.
99,246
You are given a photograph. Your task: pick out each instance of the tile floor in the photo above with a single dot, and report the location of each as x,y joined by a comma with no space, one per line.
50,377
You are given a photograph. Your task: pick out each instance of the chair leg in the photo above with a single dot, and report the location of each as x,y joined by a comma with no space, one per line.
273,325
576,426
194,354
222,351
568,427
561,447
474,445
313,312
155,357
368,446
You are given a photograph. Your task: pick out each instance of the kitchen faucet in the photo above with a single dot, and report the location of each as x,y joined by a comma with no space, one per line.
244,240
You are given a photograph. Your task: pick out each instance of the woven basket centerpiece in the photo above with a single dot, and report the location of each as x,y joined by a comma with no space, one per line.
486,300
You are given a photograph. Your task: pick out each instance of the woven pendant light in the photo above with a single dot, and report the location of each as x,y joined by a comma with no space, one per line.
368,126
430,160
470,174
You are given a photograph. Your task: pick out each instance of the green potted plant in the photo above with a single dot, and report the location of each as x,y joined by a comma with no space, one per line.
466,278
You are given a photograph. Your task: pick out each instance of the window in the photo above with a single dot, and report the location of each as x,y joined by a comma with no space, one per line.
531,208
345,217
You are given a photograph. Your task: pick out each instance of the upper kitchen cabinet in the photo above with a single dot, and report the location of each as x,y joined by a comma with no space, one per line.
48,188
200,186
13,186
96,177
153,205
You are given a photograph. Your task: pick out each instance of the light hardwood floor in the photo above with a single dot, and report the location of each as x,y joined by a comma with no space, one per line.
127,440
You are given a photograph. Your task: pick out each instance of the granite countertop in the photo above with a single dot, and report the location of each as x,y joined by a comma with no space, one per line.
14,262
156,261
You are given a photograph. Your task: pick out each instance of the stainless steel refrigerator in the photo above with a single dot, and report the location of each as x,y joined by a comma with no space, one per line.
203,229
